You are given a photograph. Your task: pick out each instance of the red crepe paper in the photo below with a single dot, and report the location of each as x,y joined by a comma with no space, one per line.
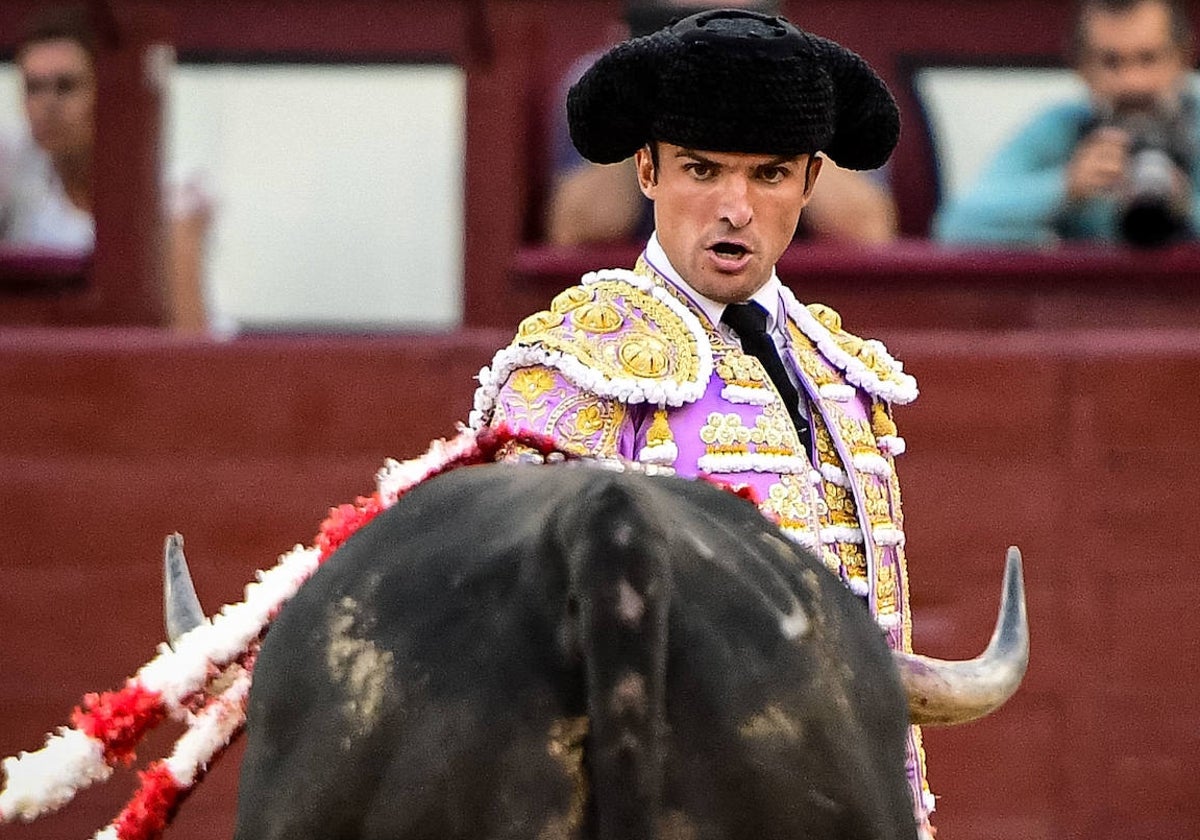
119,719
151,808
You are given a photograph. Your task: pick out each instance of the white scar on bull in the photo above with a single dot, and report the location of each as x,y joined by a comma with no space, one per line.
358,665
630,605
794,623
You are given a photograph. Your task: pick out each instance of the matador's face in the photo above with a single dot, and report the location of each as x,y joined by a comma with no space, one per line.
724,218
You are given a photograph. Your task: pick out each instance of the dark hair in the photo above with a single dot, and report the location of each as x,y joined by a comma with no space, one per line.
1181,27
62,23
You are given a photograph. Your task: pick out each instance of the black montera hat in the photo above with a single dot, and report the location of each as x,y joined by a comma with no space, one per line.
734,81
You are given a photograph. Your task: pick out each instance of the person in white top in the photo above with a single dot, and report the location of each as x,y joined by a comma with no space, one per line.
46,178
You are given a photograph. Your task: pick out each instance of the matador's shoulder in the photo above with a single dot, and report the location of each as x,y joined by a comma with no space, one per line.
866,363
618,335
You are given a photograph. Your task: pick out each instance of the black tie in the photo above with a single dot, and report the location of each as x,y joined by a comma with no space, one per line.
749,321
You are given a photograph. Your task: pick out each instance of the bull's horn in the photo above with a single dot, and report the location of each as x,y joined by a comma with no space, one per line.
943,693
181,607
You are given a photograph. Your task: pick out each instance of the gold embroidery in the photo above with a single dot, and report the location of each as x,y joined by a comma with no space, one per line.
616,329
856,434
740,369
825,444
842,511
897,507
886,601
644,355
830,559
660,429
566,744
866,352
728,434
881,424
531,383
828,317
725,430
812,363
878,504
598,318
787,500
527,396
537,323
772,437
841,506
853,560
569,299
586,424
589,420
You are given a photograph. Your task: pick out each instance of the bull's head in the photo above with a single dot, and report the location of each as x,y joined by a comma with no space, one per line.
939,692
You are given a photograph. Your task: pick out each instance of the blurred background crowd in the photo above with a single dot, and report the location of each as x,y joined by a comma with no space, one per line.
266,162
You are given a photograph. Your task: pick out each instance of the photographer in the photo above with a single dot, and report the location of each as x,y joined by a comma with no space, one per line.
1122,167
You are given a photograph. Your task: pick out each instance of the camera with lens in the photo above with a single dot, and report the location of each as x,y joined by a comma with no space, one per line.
1160,147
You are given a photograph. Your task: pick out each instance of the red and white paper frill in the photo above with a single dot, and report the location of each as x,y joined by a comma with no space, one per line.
106,728
165,782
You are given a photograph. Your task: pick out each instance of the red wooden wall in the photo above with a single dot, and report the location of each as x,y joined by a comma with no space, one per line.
1070,443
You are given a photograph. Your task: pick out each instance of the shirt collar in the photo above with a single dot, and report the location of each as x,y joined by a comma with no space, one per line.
767,296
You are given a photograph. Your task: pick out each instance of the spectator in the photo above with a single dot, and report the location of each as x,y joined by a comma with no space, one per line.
1119,167
589,203
46,179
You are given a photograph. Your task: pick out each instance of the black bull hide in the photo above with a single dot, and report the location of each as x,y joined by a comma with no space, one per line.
570,652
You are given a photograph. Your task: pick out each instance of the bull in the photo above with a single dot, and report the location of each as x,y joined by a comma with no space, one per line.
572,652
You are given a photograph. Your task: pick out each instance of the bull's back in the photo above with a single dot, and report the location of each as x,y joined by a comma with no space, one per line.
432,680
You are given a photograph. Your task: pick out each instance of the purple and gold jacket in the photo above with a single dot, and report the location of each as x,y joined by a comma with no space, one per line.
625,364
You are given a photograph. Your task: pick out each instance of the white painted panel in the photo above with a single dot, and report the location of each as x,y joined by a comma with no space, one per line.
338,189
13,128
